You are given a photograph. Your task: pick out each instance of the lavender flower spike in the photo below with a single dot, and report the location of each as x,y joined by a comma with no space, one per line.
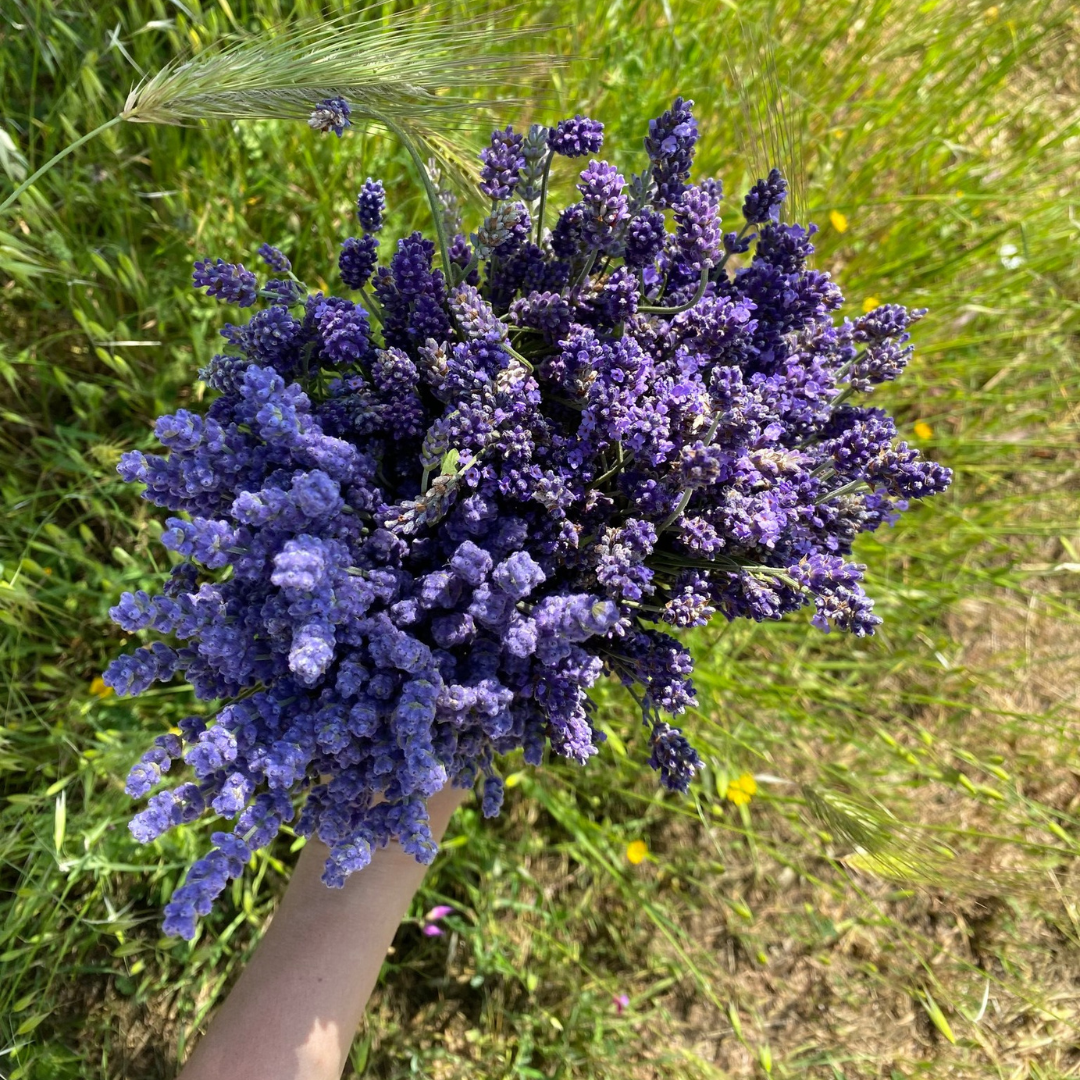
331,114
577,137
371,205
229,282
670,146
503,161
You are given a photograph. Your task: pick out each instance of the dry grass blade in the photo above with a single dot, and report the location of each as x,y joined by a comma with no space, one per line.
772,122
884,847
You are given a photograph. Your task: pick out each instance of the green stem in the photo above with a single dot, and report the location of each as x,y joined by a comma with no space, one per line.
462,272
372,305
517,356
58,157
617,467
844,489
685,497
432,194
580,279
841,397
543,199
702,284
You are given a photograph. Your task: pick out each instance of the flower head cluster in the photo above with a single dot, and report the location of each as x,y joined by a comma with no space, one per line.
331,114
409,541
577,137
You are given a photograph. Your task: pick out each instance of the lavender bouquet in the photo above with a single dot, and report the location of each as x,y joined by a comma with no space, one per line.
414,531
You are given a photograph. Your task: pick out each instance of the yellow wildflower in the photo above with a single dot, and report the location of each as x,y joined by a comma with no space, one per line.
99,689
742,789
923,430
870,303
636,851
991,13
839,222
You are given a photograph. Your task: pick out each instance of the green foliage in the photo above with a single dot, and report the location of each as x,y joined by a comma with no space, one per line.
895,897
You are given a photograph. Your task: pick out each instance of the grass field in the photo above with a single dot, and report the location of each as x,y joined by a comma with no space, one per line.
900,896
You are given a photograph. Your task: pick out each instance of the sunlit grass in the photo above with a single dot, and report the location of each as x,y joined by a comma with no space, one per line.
946,136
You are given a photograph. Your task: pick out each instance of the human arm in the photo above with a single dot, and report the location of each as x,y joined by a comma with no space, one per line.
294,1011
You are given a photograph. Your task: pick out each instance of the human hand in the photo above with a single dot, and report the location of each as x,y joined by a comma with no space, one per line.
294,1011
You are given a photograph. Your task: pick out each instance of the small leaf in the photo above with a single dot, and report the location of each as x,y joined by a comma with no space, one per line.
1059,832
937,1017
60,822
736,1022
765,1057
29,1024
360,1055
449,465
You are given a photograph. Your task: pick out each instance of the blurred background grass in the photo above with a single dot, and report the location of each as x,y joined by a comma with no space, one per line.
898,897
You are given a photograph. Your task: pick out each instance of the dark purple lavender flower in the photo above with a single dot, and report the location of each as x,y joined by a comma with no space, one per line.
357,260
577,137
567,236
331,114
503,161
371,205
673,757
229,282
275,259
764,199
670,146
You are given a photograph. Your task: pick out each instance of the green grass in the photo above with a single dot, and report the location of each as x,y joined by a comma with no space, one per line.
946,133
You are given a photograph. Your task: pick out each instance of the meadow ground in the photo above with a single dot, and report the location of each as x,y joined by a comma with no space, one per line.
900,896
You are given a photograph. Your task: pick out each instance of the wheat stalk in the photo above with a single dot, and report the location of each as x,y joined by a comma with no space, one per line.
412,73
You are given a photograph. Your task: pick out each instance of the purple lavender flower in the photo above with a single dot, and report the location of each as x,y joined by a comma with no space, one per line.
604,205
229,282
577,137
534,150
371,205
670,146
502,232
764,199
697,228
645,238
331,114
357,260
884,332
503,161
276,260
343,330
273,338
